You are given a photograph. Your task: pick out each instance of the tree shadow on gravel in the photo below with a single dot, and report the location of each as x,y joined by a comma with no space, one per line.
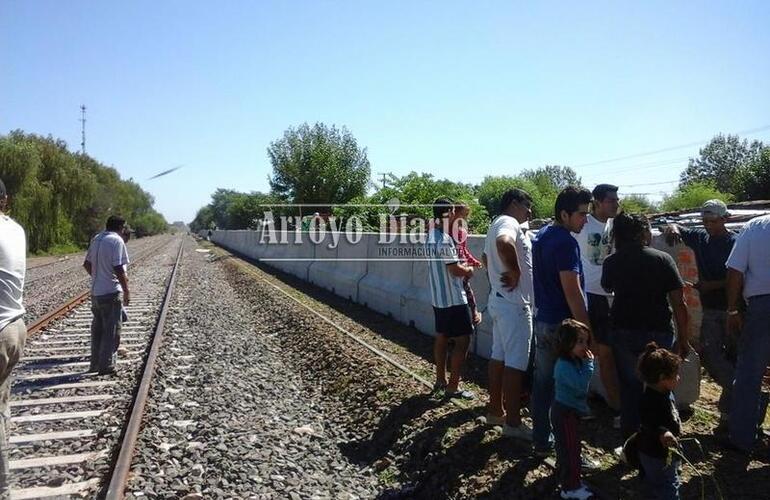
470,455
389,429
437,462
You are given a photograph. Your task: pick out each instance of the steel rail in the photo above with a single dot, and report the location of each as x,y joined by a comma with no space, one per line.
247,267
122,466
41,322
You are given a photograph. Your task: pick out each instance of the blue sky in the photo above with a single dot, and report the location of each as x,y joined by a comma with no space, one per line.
457,89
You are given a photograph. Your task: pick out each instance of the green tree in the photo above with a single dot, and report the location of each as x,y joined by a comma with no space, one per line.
415,193
62,198
553,177
754,178
318,164
692,196
246,209
492,188
720,161
203,220
550,180
637,203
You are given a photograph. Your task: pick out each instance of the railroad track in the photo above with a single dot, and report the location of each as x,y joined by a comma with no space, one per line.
37,324
72,432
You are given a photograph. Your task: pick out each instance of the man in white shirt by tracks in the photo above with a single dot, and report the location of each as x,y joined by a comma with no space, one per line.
13,332
595,245
508,259
106,263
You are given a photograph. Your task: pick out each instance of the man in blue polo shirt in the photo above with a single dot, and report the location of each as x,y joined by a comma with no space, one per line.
558,284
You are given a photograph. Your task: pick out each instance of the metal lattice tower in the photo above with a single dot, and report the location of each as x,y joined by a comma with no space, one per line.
83,128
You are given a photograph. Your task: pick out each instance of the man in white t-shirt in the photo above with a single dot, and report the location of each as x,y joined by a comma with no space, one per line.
748,274
13,332
595,245
106,262
508,259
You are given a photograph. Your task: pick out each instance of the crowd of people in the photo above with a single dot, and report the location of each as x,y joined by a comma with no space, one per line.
105,261
589,292
586,292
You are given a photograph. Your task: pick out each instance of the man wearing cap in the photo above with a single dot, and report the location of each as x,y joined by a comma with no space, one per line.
13,332
712,245
748,271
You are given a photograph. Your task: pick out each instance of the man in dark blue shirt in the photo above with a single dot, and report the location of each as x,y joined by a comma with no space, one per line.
711,247
558,285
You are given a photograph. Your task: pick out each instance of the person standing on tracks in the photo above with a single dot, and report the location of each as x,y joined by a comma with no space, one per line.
450,304
711,246
558,285
106,262
508,257
748,271
13,332
595,245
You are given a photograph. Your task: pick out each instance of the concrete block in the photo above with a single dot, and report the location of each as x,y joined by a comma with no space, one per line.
351,267
386,280
323,270
418,309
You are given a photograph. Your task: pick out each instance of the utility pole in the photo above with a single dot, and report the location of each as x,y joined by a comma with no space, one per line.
384,181
83,129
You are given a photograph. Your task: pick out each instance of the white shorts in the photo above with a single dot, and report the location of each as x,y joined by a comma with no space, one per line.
511,332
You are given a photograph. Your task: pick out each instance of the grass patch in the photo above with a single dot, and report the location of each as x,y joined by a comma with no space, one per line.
61,249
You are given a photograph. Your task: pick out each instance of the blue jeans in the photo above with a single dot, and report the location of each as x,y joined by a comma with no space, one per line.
660,479
748,403
718,354
627,346
105,330
542,384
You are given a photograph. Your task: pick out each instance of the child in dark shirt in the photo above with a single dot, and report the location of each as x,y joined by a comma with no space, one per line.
571,373
460,236
660,423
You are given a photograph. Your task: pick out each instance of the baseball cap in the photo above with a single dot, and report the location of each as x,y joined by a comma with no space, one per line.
715,207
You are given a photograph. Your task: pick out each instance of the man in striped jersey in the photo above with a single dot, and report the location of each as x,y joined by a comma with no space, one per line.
450,305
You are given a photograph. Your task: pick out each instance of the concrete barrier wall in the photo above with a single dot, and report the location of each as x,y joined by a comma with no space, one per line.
396,287
399,287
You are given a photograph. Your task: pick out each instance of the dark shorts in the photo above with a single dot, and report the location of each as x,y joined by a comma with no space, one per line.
599,316
453,321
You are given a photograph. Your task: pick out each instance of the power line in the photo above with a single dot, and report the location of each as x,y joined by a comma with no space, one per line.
649,183
672,148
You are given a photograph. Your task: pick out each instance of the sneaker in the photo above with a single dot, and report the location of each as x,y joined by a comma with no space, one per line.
616,422
582,493
492,420
520,431
543,452
588,464
459,394
438,388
